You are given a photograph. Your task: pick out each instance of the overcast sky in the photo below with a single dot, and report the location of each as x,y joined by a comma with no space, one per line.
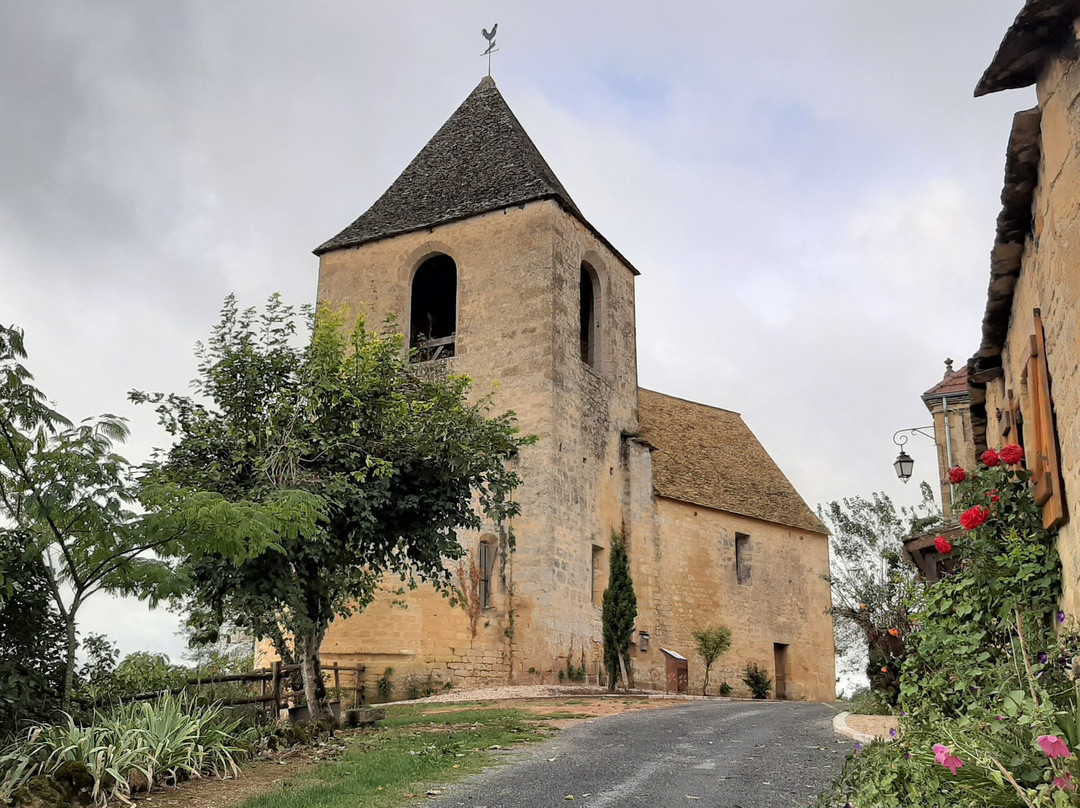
808,188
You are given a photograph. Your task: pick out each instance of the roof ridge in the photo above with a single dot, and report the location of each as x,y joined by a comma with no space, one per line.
689,401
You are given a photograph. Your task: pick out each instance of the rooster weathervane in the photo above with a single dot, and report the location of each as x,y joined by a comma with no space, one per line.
490,37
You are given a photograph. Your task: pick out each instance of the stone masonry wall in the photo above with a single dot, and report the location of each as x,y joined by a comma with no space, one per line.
1050,280
517,336
784,601
960,440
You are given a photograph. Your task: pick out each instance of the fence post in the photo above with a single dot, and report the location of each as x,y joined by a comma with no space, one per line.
275,674
359,685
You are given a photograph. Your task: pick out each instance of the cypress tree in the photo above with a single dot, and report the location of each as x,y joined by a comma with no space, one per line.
619,614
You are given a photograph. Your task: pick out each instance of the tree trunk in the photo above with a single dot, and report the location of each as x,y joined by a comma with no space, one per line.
307,649
69,662
705,686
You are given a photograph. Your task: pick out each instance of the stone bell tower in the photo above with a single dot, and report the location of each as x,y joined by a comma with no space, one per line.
492,271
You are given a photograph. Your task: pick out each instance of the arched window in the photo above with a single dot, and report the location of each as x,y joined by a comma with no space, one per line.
433,312
589,322
486,565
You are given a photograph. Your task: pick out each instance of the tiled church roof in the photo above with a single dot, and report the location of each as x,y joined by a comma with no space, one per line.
709,457
479,161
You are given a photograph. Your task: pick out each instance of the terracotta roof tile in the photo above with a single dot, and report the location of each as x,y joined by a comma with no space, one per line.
954,382
709,457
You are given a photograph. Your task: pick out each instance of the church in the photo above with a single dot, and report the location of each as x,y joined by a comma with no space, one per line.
492,271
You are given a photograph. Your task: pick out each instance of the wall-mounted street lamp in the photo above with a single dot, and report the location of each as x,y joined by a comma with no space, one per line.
905,463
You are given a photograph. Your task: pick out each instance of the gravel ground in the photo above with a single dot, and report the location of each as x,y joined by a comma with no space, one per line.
706,754
501,692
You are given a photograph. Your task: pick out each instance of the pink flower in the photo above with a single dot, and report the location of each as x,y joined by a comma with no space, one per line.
957,475
1065,782
1011,454
973,517
1053,746
990,458
943,756
943,545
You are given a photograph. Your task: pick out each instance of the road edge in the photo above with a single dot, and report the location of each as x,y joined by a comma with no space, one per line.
840,727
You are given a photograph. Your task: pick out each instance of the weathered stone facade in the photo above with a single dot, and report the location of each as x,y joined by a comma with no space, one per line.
525,262
949,403
1035,272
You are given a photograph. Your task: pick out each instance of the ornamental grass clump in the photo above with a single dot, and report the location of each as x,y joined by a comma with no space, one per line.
988,690
130,749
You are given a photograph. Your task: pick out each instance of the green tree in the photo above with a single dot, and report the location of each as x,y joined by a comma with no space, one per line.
712,643
619,614
32,641
398,461
70,502
872,582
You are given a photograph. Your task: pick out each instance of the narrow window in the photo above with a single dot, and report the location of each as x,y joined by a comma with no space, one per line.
433,312
742,558
597,570
486,562
587,310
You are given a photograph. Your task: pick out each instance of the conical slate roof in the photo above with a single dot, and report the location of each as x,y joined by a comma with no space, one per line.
479,161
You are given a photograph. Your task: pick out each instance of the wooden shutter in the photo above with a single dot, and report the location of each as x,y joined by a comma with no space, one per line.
1042,439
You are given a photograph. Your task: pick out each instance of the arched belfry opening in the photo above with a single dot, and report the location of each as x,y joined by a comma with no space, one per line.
433,311
590,325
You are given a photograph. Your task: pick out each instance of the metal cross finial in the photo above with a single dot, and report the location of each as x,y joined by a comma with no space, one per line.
490,37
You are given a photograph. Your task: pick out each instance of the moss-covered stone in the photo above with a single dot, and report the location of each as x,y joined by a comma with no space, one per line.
41,792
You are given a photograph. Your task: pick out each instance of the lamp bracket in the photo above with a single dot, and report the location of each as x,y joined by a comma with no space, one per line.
900,437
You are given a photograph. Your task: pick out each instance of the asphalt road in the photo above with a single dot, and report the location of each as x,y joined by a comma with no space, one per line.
702,755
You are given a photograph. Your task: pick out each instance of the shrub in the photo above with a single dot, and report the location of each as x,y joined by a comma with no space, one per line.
988,688
712,643
133,748
757,680
31,641
725,689
576,674
869,702
417,687
385,686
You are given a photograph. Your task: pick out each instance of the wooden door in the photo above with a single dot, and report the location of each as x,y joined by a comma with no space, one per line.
780,665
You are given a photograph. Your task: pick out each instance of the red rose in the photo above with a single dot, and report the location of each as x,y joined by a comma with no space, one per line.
973,517
1011,454
957,475
942,545
990,458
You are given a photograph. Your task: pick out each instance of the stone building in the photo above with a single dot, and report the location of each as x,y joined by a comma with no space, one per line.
1024,380
949,403
492,271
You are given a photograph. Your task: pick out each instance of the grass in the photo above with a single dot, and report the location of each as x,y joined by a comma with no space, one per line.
867,702
409,751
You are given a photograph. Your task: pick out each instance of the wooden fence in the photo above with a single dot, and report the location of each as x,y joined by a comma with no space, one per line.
275,679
